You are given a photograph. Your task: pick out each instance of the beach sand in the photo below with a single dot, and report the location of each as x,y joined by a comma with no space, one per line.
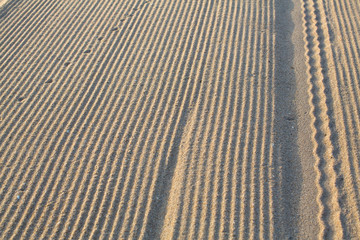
155,119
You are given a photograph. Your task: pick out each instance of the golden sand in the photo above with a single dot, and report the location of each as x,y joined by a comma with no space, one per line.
179,119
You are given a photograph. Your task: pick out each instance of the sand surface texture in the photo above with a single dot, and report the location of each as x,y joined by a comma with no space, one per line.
159,119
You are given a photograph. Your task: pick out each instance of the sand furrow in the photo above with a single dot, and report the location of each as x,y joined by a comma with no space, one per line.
168,153
16,128
41,104
98,99
220,221
145,145
97,154
153,73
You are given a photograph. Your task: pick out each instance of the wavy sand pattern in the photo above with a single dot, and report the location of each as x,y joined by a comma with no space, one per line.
156,119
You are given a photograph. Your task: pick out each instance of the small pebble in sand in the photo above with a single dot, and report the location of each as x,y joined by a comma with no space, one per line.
290,117
20,99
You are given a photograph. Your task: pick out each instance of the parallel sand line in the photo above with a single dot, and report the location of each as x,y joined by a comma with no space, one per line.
143,114
130,128
259,230
191,223
248,135
195,223
194,167
349,52
192,51
59,40
185,222
13,14
139,151
41,39
158,186
58,184
17,129
258,110
37,99
193,75
193,129
110,220
14,85
15,48
128,194
12,24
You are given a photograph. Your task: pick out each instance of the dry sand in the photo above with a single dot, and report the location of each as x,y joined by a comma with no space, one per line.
180,119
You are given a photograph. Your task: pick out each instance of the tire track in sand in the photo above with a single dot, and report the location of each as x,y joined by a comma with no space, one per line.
343,57
328,118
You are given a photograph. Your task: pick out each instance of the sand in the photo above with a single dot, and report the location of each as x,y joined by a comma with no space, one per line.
156,119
